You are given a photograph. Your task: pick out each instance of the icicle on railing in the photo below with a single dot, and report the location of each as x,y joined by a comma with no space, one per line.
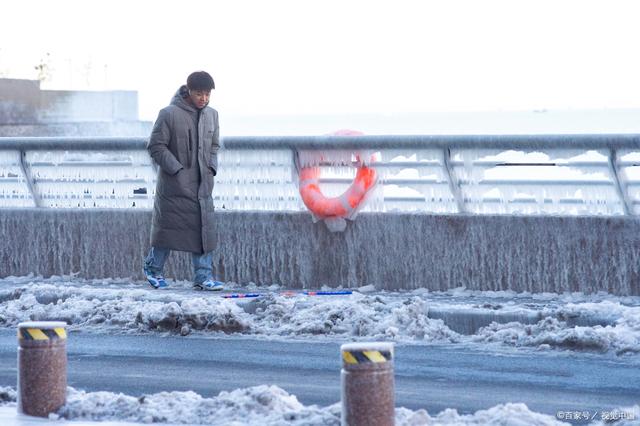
88,179
561,181
415,180
14,190
556,181
255,180
629,166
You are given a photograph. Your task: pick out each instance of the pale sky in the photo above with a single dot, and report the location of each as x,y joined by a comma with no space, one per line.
314,57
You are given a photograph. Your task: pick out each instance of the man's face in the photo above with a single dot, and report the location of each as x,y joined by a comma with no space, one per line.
199,98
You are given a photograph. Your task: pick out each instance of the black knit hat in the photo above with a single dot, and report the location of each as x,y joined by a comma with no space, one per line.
200,80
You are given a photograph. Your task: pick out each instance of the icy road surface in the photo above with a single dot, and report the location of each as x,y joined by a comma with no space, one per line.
435,377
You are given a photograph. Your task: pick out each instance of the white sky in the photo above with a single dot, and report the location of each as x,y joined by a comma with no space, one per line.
336,56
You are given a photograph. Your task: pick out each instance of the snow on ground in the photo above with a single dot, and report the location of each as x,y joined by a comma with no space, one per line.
7,395
578,322
256,405
552,333
265,405
598,322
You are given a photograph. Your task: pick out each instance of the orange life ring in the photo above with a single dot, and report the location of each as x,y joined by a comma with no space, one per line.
342,206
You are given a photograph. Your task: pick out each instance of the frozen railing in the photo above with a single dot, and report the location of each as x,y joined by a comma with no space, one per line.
505,174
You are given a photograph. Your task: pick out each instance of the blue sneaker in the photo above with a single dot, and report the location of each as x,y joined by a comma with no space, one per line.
210,285
155,280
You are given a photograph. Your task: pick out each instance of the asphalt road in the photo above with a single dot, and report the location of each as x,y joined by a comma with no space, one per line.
428,376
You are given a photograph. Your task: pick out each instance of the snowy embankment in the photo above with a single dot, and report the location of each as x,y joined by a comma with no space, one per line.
600,323
265,405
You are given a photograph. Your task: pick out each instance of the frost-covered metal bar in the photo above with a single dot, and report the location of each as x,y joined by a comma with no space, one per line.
539,182
489,164
530,201
347,180
529,142
454,183
29,179
615,173
495,182
492,163
578,141
82,163
73,143
103,180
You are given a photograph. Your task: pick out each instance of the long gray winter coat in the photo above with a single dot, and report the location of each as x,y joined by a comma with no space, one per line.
184,143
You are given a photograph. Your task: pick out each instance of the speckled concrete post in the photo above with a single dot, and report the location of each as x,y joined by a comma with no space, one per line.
42,367
368,389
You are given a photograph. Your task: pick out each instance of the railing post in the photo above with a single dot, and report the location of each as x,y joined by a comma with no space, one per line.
26,172
622,191
454,185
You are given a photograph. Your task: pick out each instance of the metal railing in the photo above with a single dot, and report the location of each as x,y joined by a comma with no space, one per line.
527,174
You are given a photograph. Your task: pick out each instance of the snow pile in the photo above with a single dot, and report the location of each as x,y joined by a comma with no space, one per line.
193,314
622,337
563,298
600,323
271,406
265,405
132,309
273,314
606,310
507,414
357,316
8,395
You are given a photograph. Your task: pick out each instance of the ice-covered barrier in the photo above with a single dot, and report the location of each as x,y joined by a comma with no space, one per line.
586,174
387,250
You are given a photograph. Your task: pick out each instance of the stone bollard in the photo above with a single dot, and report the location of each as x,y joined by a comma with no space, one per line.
42,367
368,389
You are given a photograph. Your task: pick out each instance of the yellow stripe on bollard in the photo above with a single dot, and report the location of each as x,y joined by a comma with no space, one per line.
364,357
37,334
348,358
42,334
375,356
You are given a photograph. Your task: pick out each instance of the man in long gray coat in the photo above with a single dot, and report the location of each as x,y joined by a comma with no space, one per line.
184,144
